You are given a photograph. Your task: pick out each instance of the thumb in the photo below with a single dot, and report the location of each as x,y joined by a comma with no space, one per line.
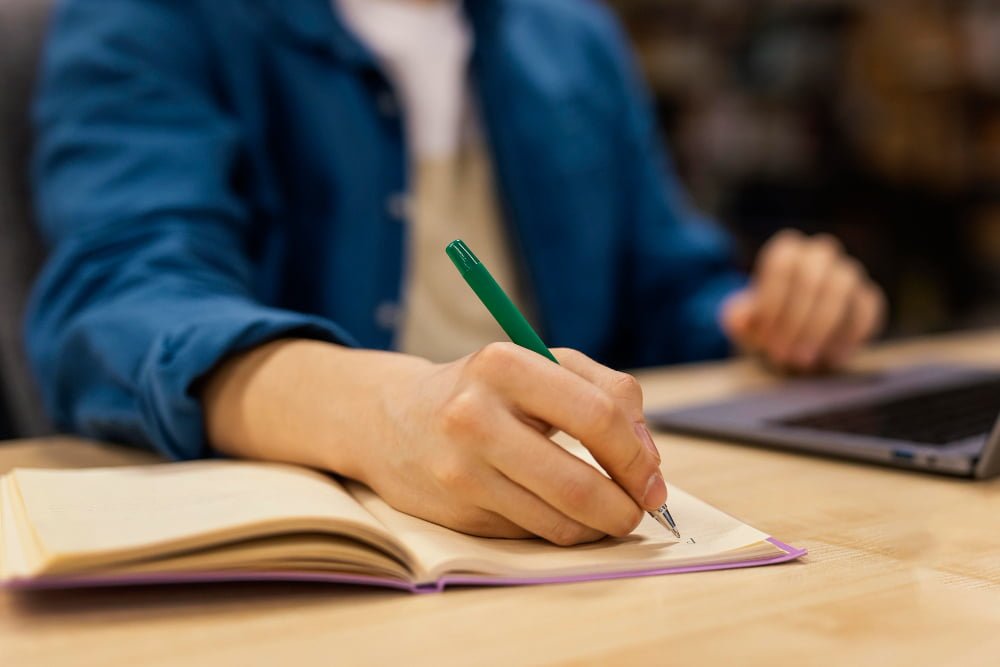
737,315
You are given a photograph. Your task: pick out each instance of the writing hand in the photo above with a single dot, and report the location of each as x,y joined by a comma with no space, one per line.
463,444
467,447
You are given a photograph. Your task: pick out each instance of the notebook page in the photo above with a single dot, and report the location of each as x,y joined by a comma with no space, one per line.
13,559
708,536
89,517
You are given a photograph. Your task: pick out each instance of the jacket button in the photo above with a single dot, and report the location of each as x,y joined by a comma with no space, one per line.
387,315
398,207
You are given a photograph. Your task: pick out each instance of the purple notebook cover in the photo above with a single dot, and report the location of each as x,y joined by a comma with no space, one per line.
790,553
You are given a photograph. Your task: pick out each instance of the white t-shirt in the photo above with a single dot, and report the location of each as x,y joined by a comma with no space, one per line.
424,46
424,49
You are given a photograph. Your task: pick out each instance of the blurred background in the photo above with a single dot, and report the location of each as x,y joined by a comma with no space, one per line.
876,120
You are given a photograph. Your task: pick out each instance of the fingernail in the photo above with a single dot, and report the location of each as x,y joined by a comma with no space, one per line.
647,439
656,492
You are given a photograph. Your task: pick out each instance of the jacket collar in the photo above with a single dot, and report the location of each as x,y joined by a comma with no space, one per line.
315,24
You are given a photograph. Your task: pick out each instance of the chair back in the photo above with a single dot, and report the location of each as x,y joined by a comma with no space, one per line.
22,30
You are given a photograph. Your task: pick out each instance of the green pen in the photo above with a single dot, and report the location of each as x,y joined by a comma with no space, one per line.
514,324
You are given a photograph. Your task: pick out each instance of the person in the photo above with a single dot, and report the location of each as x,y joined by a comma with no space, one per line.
248,204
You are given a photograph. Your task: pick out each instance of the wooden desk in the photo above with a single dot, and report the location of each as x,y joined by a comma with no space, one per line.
904,569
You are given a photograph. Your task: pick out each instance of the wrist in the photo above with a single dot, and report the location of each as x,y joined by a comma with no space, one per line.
309,403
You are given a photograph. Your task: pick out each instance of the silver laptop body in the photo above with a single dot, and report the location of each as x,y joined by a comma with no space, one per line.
802,415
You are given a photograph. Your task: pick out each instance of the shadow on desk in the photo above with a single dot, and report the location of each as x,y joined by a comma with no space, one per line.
148,603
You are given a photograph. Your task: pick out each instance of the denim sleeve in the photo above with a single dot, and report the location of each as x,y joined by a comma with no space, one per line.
149,281
681,266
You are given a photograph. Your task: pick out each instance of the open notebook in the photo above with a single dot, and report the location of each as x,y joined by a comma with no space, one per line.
229,520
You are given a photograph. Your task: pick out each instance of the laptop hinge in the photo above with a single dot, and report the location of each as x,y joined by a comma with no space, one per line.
989,461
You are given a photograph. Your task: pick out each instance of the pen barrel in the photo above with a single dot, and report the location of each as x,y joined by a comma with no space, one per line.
504,311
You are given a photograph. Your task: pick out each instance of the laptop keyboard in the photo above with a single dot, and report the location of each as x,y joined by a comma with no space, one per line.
933,417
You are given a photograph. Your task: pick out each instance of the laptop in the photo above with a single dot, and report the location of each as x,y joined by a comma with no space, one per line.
935,418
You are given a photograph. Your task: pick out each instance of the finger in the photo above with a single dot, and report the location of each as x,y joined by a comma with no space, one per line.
738,317
485,523
871,314
478,521
773,281
560,397
813,268
828,322
523,508
571,486
867,318
840,347
456,502
622,386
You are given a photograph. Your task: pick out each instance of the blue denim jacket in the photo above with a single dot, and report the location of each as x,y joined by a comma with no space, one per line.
213,174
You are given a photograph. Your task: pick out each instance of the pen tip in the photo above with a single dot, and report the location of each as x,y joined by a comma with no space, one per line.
669,523
662,516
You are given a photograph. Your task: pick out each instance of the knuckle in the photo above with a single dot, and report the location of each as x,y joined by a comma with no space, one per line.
637,462
462,414
781,243
575,492
602,413
627,386
565,533
779,251
474,521
849,277
783,262
493,358
826,244
455,475
835,293
819,268
785,237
